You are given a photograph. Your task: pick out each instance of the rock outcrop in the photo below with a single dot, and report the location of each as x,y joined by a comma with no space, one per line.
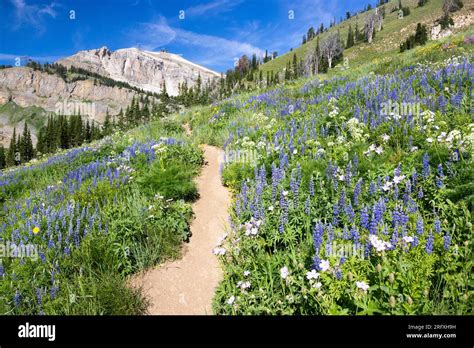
143,69
27,87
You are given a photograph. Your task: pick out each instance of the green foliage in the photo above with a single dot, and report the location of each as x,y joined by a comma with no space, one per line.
171,179
419,38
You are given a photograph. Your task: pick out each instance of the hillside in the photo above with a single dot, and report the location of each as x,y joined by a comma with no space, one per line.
386,43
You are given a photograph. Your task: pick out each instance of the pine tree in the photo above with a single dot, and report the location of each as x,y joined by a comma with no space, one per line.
350,38
295,66
107,127
3,160
12,150
26,145
41,145
87,132
121,120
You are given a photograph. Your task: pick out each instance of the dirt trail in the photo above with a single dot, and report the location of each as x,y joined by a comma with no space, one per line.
187,286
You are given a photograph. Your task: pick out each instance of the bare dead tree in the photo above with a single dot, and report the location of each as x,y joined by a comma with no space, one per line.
332,47
369,26
311,62
378,20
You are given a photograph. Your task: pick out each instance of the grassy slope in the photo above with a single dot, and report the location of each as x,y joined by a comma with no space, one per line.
17,114
385,45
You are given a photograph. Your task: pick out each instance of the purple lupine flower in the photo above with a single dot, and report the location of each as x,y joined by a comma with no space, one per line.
318,232
335,214
414,177
355,235
281,227
437,225
364,218
355,163
348,175
372,188
350,212
316,262
2,270
244,195
394,238
38,296
442,102
420,193
426,165
415,241
311,186
447,241
429,243
439,178
357,191
307,205
419,226
17,299
345,233
398,170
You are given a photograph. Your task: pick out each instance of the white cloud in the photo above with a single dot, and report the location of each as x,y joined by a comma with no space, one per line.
209,49
33,15
24,58
212,8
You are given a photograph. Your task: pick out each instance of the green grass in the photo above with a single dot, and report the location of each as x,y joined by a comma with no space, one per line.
34,115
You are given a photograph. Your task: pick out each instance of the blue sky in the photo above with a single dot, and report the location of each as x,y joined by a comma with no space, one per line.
212,32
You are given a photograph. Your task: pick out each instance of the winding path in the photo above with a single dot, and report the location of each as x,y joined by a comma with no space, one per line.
187,285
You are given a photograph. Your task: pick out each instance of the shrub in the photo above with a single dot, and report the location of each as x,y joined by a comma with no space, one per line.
174,181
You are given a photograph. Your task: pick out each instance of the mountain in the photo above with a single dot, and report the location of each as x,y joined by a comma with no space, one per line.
23,87
142,69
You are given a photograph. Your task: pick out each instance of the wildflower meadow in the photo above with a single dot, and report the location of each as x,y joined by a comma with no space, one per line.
358,199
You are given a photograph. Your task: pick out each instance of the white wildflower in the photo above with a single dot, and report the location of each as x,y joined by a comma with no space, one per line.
312,274
284,272
324,265
362,286
398,179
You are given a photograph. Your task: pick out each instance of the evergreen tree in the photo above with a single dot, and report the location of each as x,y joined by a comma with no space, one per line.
295,66
88,132
350,38
26,145
107,128
121,120
3,159
254,62
12,150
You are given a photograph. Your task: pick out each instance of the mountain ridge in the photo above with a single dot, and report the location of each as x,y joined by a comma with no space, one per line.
143,69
